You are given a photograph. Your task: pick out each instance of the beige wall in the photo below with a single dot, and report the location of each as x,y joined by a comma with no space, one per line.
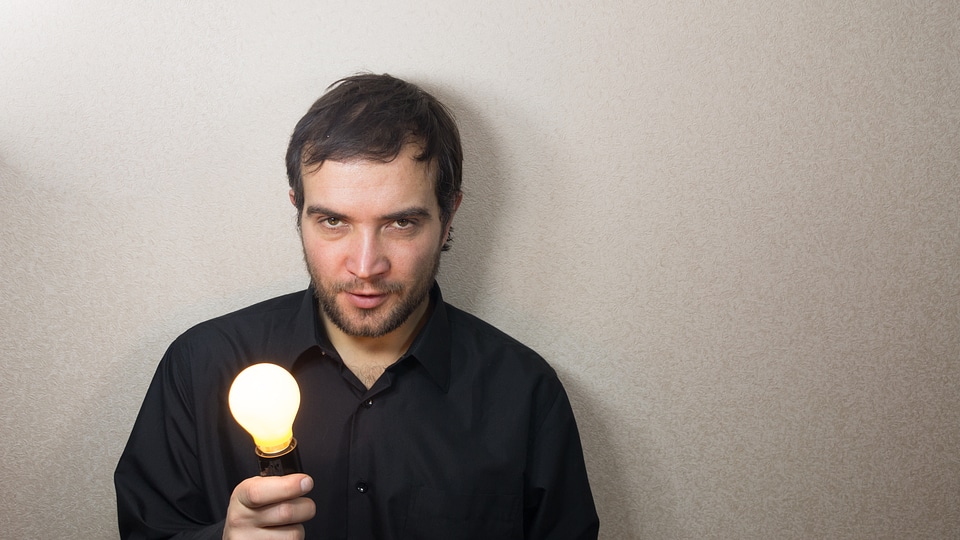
733,228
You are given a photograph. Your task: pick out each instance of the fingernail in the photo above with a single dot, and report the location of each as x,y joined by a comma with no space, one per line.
306,484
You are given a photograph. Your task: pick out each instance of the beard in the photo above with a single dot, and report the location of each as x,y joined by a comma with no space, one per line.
379,321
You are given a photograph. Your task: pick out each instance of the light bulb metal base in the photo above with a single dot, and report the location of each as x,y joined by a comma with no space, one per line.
286,461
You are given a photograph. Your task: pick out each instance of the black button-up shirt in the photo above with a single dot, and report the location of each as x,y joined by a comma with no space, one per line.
469,435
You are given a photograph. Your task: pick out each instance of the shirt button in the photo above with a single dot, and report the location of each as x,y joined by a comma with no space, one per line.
362,487
368,403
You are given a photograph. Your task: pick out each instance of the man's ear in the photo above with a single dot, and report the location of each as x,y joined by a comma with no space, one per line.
453,212
293,201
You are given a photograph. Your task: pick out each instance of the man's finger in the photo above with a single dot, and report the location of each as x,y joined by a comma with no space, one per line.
262,491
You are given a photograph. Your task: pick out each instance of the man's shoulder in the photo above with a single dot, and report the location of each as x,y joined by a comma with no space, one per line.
279,307
258,328
489,343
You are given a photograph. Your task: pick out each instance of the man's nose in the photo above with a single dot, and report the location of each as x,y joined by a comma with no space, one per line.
368,256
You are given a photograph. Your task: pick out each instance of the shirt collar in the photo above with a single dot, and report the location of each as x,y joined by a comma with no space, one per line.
431,347
306,331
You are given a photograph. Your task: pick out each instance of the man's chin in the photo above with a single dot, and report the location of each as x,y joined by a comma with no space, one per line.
369,323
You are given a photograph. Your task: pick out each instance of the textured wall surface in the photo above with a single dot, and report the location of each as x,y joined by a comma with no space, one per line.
733,228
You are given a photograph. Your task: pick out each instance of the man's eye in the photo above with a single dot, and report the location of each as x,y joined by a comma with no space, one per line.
332,222
403,223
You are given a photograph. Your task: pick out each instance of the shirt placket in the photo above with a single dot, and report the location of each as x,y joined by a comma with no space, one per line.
361,483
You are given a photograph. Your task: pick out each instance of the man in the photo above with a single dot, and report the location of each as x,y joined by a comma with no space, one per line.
417,420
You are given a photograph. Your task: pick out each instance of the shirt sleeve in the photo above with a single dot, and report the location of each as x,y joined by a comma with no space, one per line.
558,503
157,478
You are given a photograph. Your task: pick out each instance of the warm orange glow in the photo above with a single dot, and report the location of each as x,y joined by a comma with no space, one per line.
264,399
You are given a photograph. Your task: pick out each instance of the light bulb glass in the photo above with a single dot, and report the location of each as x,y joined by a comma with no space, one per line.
264,399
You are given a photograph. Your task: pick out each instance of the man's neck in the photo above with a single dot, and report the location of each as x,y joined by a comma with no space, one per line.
368,357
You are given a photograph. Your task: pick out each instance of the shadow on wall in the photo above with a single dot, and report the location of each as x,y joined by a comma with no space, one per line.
63,378
479,243
477,230
611,494
632,489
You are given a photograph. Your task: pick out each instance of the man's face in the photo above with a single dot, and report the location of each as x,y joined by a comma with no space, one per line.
371,236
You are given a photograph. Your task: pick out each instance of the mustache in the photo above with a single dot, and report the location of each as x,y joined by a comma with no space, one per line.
357,286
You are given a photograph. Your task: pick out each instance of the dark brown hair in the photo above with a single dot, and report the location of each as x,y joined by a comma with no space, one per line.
373,117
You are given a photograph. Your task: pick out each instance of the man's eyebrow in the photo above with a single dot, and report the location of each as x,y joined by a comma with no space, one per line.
316,209
407,213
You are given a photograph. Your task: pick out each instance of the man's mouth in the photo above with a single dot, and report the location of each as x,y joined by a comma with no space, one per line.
365,300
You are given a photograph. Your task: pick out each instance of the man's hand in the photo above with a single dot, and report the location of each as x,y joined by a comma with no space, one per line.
269,507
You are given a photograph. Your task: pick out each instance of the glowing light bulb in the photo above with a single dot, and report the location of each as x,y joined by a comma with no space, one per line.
264,399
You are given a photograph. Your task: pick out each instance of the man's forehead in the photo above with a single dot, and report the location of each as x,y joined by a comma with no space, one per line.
381,187
314,155
309,168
